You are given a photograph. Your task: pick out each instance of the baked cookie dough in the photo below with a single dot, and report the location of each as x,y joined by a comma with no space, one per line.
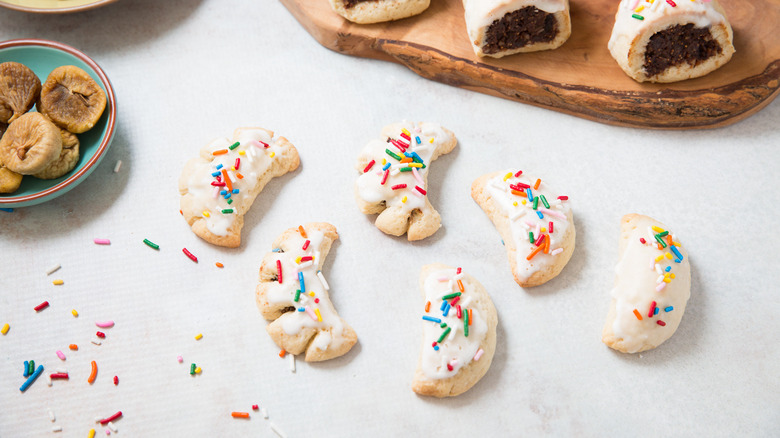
668,41
652,286
294,294
504,27
394,179
534,221
219,186
459,332
377,11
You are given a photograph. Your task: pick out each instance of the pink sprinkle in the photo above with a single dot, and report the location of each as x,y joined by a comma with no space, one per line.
443,279
310,312
660,287
104,324
636,2
102,241
556,251
416,175
478,355
180,359
553,213
61,355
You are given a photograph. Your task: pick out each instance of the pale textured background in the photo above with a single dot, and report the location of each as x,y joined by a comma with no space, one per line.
188,71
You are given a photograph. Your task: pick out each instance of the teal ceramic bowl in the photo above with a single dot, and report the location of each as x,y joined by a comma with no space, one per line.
43,56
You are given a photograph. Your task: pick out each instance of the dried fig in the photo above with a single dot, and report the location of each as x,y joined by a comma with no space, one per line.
20,88
67,160
9,181
30,144
72,99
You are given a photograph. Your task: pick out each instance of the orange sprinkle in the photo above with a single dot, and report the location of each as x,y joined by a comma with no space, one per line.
92,374
536,184
73,347
546,244
427,307
220,265
302,231
228,182
239,175
460,286
240,414
181,212
536,251
406,160
220,152
518,193
669,240
660,248
638,315
282,353
471,318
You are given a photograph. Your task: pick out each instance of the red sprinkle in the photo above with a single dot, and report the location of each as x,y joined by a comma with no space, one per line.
434,344
458,271
254,407
111,418
652,310
305,245
455,300
460,313
399,186
519,186
539,240
671,3
316,300
41,306
238,163
189,254
116,380
403,134
369,166
420,190
398,144
563,198
279,270
449,367
100,335
661,323
265,145
642,240
306,259
59,376
519,172
218,184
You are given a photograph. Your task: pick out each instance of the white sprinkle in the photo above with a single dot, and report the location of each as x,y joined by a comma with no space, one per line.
276,429
453,332
416,193
657,268
51,416
520,212
264,411
96,342
650,233
216,194
292,362
56,429
538,231
660,278
394,172
556,251
48,380
53,269
465,303
322,280
112,427
118,166
305,265
660,287
478,355
458,276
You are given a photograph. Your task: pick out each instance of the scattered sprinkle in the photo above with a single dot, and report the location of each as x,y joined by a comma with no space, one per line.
179,359
199,336
93,375
276,429
41,306
292,363
189,254
638,315
240,414
61,355
151,244
117,166
31,379
53,269
104,324
116,380
74,313
104,421
56,429
5,328
220,265
73,347
102,241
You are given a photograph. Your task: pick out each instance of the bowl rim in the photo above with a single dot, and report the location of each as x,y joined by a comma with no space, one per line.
107,138
61,10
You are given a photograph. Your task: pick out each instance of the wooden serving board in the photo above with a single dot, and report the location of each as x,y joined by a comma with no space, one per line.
579,78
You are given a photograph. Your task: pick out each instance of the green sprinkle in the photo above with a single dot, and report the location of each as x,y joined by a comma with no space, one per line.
297,295
151,244
452,295
661,241
444,335
389,152
531,237
192,369
638,17
405,169
466,325
230,201
544,201
234,145
536,202
227,211
443,325
662,234
31,368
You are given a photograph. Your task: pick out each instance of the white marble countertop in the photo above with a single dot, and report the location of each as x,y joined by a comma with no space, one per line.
186,71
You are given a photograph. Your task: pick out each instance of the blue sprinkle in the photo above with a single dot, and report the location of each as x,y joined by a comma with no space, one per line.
235,191
436,348
9,210
677,253
539,213
418,139
502,242
228,196
216,173
668,309
408,154
668,268
300,279
447,310
387,166
430,318
530,195
417,158
26,369
301,309
223,192
31,379
276,250
655,311
219,166
443,305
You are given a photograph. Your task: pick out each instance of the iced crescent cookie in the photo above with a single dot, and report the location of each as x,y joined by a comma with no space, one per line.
535,223
293,293
459,332
668,41
219,186
504,27
652,286
394,180
376,11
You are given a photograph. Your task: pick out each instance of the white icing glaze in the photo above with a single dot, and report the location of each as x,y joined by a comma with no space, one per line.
255,162
480,14
636,287
456,349
700,13
522,219
369,184
331,326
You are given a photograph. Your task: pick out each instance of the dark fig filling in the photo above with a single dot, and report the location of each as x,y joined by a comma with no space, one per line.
520,28
677,45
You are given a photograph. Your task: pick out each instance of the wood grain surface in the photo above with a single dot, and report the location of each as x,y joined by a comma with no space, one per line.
579,78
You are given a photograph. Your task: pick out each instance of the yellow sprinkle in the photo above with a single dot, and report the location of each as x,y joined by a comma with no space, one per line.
672,275
406,132
514,203
666,275
57,282
311,293
241,153
319,317
91,433
543,229
659,258
74,313
669,256
197,370
403,199
198,336
415,165
272,154
233,168
667,280
639,9
507,176
206,213
5,328
658,229
677,244
384,161
431,140
523,201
